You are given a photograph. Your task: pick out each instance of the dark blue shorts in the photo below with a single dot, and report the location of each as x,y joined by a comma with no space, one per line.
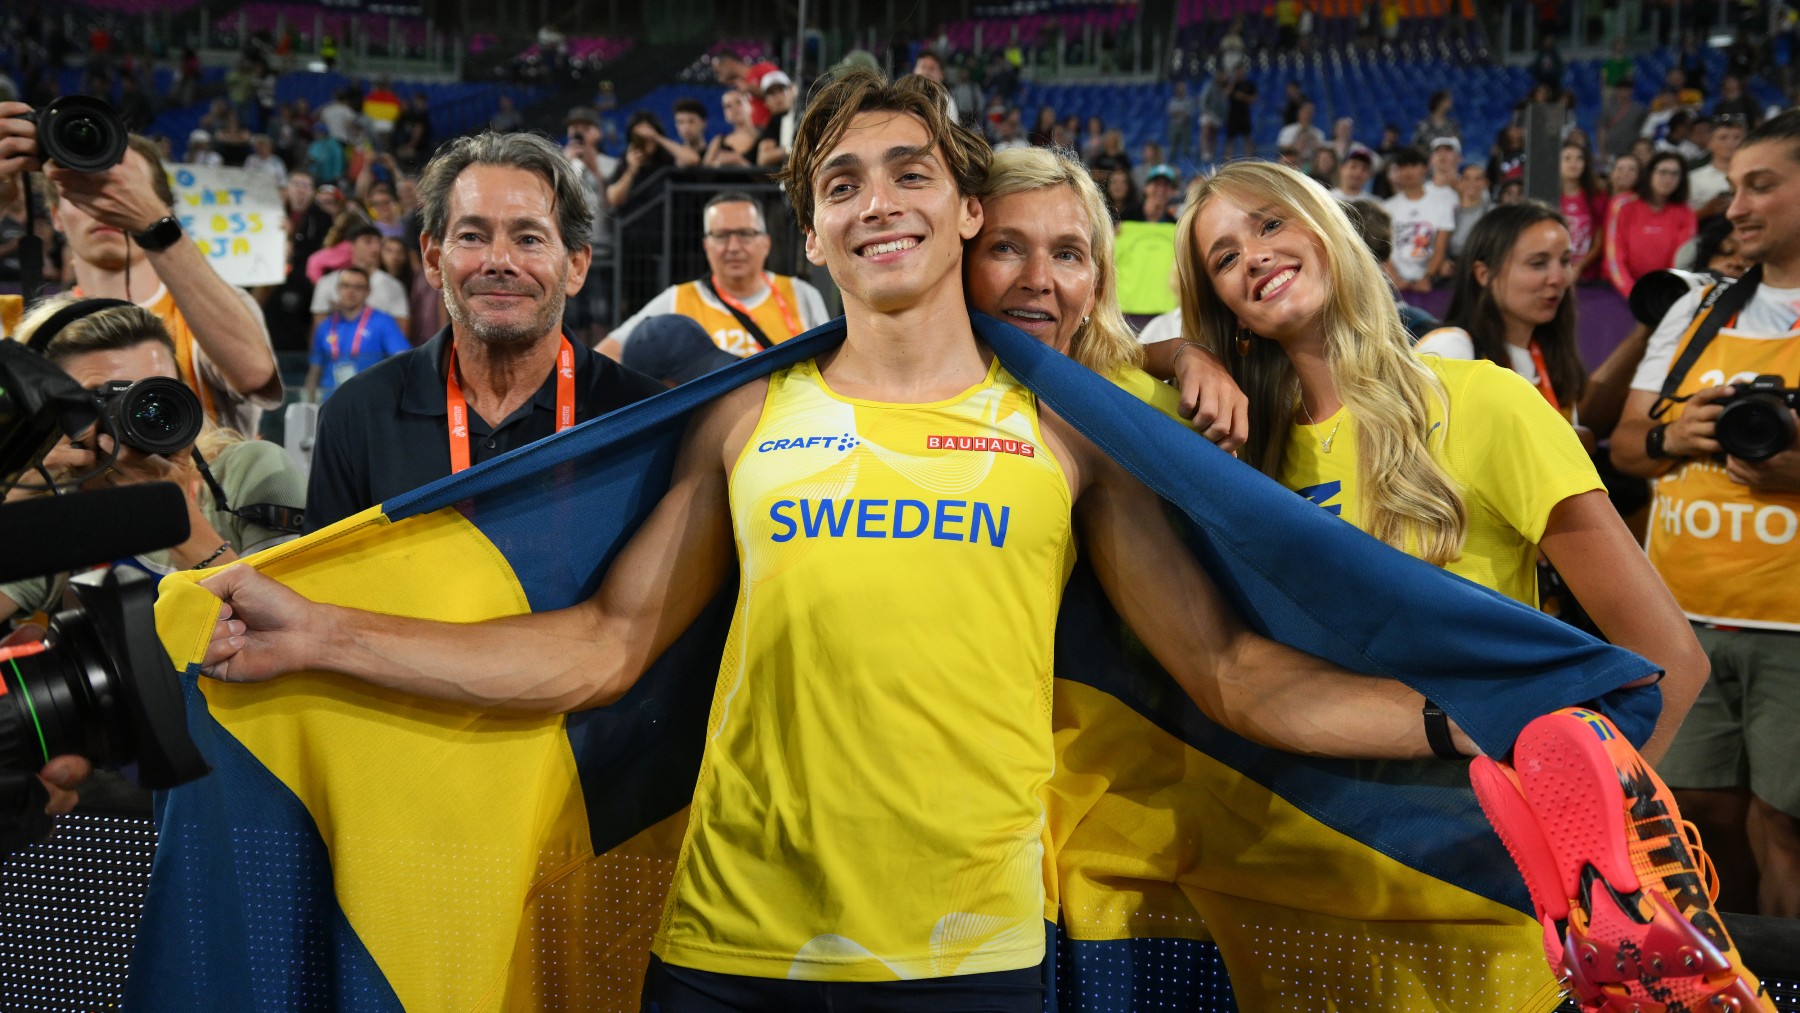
670,989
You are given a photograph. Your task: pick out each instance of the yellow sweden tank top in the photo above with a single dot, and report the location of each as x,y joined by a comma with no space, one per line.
867,807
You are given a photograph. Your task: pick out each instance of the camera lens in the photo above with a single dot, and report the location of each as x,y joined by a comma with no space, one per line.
1755,427
82,133
155,415
83,137
99,686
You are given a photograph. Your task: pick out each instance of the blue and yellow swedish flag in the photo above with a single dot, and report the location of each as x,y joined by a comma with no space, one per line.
358,849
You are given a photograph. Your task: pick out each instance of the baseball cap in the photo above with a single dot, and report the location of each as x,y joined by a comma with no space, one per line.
772,80
582,114
1361,153
674,349
1163,170
199,137
1447,142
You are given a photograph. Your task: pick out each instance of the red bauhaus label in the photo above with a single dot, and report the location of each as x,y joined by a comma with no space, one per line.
986,444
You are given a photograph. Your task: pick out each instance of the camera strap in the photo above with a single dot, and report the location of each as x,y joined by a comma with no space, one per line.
274,516
1721,305
743,315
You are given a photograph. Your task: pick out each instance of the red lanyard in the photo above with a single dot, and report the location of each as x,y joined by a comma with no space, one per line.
1543,380
459,408
787,312
355,339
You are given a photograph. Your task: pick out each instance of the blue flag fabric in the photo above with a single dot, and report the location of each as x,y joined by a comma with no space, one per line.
254,902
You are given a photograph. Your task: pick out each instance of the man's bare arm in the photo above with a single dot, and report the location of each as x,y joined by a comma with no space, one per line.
230,332
1258,688
548,662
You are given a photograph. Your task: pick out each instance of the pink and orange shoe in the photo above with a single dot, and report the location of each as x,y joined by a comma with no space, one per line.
1619,880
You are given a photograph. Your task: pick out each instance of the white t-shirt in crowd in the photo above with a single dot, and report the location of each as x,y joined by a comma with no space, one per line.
1771,314
1704,184
1162,328
1416,227
385,294
1455,343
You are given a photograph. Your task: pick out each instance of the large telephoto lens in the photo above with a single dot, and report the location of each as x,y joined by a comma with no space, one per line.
99,686
155,415
81,132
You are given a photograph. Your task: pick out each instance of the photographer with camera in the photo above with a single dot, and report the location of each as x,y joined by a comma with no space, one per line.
128,244
1710,418
113,351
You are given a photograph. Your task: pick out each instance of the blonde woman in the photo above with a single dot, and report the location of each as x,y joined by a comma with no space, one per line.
1460,463
1043,262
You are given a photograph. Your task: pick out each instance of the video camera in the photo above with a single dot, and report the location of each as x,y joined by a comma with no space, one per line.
98,684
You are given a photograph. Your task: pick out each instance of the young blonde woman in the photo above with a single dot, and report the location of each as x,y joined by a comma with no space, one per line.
1465,465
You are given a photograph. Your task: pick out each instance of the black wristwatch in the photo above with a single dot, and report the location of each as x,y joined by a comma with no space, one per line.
160,236
1653,443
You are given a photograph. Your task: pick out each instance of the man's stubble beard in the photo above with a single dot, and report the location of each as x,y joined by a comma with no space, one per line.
548,317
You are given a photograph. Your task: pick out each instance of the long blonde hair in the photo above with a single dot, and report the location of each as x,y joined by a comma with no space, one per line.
1408,501
1105,343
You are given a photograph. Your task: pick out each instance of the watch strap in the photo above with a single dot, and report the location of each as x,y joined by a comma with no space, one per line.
161,235
1653,442
1437,732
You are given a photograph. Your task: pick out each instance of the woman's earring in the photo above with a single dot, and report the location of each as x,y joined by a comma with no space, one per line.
1243,341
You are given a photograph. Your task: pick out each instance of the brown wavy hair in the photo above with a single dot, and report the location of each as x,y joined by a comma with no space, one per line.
847,94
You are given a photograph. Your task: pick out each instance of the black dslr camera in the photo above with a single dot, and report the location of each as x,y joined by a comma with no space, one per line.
155,415
80,132
1757,422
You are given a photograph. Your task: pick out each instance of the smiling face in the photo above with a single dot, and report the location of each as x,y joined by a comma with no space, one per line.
1535,277
1765,203
502,265
888,220
1032,264
1268,272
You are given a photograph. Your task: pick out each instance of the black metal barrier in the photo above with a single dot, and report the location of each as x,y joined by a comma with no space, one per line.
657,234
69,915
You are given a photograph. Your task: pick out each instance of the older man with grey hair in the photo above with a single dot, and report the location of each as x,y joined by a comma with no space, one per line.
506,231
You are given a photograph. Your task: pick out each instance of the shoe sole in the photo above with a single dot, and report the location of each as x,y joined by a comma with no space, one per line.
1564,818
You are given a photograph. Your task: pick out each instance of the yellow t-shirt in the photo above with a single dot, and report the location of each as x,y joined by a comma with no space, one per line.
868,804
1509,454
727,332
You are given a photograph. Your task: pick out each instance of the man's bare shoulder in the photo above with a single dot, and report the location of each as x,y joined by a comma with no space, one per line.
725,424
1076,454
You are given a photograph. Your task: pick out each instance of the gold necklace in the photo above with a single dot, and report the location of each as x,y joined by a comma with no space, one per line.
1324,444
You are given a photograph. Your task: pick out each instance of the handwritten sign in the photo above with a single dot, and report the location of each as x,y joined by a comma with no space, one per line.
236,218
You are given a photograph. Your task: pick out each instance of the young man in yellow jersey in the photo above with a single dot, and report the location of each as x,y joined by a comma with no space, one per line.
866,829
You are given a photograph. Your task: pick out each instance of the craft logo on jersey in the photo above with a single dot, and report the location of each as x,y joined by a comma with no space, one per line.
984,444
841,442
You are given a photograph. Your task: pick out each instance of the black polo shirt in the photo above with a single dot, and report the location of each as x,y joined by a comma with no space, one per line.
386,430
